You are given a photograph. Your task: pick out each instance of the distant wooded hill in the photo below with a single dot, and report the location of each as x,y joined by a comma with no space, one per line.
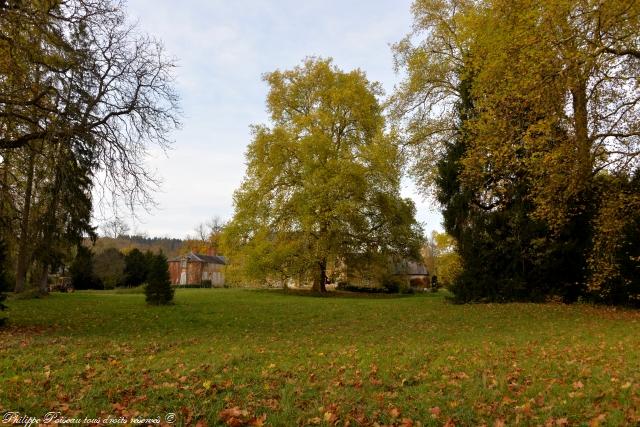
170,246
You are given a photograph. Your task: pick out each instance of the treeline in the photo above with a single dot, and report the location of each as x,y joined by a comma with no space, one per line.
124,243
111,268
523,119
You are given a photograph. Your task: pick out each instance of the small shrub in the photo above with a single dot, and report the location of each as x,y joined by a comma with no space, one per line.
200,285
158,290
393,284
30,293
342,286
406,289
206,284
363,289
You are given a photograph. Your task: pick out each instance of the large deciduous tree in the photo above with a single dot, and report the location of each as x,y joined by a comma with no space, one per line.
323,181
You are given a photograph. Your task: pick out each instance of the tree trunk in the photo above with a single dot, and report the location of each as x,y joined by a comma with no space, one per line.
42,277
320,284
581,125
23,246
4,189
42,256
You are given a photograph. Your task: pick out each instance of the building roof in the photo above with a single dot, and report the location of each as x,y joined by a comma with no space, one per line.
411,268
209,259
417,268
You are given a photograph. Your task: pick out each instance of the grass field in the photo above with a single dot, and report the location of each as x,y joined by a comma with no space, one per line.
245,357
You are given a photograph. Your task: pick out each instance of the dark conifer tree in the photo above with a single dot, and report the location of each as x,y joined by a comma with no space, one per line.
136,267
506,253
158,290
81,270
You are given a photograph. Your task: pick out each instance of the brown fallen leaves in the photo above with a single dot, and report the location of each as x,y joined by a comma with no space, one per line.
236,417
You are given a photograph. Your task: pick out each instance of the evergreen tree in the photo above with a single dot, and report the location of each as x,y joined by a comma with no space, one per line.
158,290
136,267
507,254
81,270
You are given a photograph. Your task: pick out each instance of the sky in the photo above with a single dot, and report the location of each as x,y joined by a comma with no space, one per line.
222,49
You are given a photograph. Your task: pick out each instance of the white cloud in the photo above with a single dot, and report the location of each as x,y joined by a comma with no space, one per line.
223,47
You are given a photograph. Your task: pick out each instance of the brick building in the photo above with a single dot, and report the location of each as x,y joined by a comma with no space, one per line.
197,269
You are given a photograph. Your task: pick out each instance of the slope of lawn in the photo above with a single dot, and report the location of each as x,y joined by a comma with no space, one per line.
246,357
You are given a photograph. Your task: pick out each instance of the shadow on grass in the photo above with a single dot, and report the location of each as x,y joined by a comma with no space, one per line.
344,294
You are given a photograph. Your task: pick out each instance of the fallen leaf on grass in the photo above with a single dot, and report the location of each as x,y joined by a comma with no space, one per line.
595,422
187,414
258,421
330,417
236,417
234,422
231,412
406,422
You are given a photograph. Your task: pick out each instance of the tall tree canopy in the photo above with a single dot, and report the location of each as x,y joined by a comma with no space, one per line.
323,181
76,71
83,95
555,94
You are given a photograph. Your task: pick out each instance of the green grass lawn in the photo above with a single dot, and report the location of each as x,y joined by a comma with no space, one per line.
302,360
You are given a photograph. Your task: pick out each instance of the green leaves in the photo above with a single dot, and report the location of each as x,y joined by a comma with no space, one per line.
322,182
